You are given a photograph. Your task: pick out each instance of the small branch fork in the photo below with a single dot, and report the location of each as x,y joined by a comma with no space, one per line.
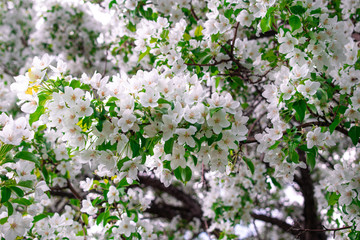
290,228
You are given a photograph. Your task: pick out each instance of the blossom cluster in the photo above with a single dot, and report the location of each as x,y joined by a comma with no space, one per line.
228,103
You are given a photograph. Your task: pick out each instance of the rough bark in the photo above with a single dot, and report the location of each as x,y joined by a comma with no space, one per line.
310,214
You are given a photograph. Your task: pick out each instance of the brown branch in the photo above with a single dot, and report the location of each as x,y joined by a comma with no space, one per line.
59,193
193,12
310,214
208,64
234,38
191,204
73,190
271,33
292,229
276,222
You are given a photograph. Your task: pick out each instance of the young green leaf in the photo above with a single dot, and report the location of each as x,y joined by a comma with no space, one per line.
5,194
354,134
300,108
249,164
168,146
294,22
299,10
28,156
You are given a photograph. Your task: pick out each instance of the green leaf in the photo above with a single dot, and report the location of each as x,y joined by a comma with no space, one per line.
75,84
36,115
164,101
10,208
142,55
28,156
17,190
5,194
194,159
100,218
112,3
334,124
300,108
275,182
40,216
267,21
354,134
135,147
249,164
310,159
214,110
316,11
198,31
27,184
186,174
275,145
299,10
294,156
294,22
106,216
22,201
168,146
187,37
178,173
45,174
85,218
165,33
333,199
4,150
3,220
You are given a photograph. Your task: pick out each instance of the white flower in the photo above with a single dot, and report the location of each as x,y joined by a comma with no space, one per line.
126,226
227,141
72,96
299,72
230,104
168,127
223,25
59,221
10,135
113,195
315,138
244,18
347,195
15,226
149,98
355,99
309,88
166,177
83,108
41,63
218,121
31,103
270,92
288,90
61,152
87,207
178,157
86,185
191,114
179,66
60,68
216,100
185,136
195,94
288,42
127,120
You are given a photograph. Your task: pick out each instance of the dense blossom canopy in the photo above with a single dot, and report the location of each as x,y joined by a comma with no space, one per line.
179,119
